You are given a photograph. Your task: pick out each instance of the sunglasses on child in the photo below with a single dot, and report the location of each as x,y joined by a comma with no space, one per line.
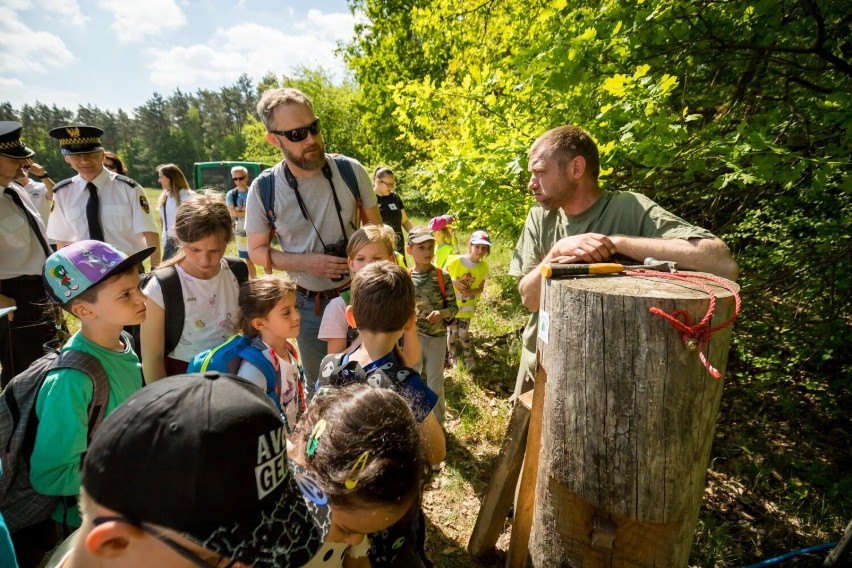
299,134
171,543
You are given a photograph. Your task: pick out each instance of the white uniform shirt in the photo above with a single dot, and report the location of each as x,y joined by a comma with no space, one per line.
125,213
294,231
38,195
20,252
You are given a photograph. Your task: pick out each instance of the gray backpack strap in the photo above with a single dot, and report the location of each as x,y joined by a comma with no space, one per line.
73,359
344,166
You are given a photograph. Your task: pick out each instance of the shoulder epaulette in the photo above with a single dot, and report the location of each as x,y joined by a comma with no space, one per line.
62,184
126,180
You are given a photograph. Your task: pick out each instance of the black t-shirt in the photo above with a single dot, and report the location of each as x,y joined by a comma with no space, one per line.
390,207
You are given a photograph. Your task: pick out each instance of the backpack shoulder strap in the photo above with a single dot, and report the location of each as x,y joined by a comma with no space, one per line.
344,166
439,273
266,187
441,286
230,195
172,305
256,358
239,268
73,359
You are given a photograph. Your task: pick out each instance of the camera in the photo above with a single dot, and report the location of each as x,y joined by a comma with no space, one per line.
337,249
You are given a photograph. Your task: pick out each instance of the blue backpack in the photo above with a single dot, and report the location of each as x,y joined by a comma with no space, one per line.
227,357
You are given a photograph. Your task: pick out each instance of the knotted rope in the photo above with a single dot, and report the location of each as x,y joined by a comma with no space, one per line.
696,336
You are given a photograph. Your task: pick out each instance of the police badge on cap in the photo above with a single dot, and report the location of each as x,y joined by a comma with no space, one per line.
10,140
77,139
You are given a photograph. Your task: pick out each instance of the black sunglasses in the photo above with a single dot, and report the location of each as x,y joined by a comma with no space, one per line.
239,178
180,549
299,134
110,165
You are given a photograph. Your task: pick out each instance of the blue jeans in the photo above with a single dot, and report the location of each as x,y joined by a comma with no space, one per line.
311,348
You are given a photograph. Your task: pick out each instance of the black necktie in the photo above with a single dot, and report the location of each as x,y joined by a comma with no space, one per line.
93,215
30,219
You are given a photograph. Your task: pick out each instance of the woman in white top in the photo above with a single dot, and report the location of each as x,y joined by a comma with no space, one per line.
175,191
209,289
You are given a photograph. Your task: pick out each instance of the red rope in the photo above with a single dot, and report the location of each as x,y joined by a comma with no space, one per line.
696,336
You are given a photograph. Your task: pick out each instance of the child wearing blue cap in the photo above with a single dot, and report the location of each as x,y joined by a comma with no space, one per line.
99,285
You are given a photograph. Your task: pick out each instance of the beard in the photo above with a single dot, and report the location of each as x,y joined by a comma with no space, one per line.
311,162
559,198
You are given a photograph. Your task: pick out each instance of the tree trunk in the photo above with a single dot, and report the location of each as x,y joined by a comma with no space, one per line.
629,415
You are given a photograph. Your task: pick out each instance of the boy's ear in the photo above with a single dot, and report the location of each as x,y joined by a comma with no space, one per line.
110,539
82,310
350,317
408,249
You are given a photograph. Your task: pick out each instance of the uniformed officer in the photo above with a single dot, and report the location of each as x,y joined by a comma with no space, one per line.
97,203
23,251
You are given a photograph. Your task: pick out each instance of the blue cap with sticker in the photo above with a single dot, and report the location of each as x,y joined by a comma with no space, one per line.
72,270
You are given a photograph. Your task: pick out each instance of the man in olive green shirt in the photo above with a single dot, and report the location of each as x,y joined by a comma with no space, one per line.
577,222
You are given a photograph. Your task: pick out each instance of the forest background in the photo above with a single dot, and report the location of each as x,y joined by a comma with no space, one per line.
735,114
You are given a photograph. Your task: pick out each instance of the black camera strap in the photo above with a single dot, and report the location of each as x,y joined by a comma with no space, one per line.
292,182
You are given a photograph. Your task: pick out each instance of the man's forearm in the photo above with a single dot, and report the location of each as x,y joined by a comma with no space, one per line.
278,259
529,287
153,240
703,255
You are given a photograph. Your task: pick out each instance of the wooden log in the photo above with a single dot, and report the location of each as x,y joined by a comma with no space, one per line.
501,489
629,415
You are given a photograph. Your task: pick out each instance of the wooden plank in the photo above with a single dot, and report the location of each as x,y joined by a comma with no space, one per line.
501,489
522,524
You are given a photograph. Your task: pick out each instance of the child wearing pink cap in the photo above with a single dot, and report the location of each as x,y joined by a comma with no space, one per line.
442,229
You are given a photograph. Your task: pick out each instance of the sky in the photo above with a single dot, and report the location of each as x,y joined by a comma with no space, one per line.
117,53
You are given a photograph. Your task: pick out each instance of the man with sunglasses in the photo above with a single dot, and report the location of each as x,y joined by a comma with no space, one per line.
314,213
236,201
192,471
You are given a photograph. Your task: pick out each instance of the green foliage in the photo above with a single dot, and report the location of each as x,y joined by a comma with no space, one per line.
736,115
733,114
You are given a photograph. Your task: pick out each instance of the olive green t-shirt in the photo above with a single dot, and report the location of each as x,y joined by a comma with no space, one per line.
615,213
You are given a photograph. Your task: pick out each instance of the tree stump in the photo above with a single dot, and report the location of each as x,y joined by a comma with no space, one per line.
629,415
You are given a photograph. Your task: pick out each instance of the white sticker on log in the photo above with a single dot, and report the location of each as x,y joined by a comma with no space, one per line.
543,325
